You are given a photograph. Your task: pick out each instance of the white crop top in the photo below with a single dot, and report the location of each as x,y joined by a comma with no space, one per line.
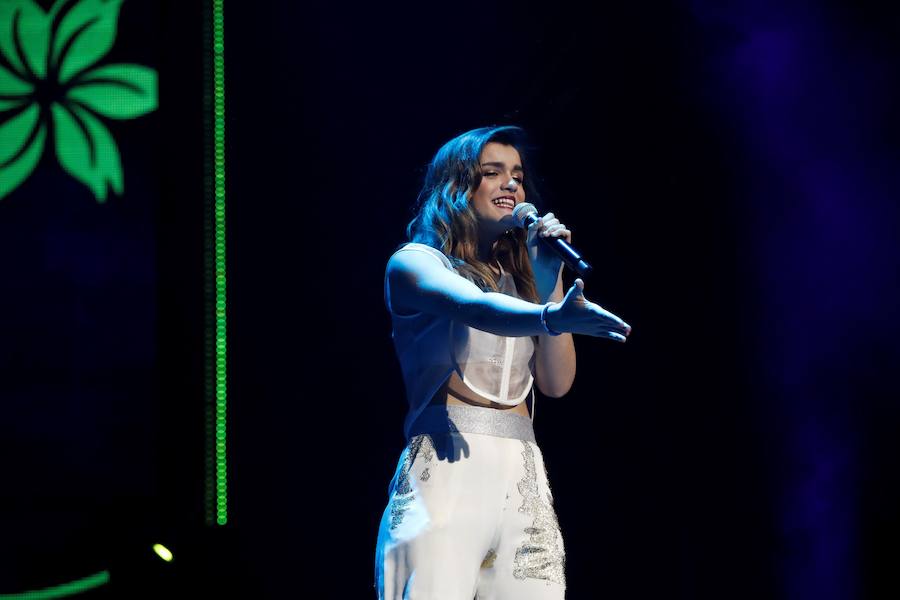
430,348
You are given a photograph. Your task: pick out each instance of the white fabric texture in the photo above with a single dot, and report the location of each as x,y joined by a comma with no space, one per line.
429,348
469,516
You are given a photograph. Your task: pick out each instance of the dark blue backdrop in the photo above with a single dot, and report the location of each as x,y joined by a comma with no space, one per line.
730,169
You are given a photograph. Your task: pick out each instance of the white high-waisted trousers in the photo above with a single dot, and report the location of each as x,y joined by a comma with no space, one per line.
470,513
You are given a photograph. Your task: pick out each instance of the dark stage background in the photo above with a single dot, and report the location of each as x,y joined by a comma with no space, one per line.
731,170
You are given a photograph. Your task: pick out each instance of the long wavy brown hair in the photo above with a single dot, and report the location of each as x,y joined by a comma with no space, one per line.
444,218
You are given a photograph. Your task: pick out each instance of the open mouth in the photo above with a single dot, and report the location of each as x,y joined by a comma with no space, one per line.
504,203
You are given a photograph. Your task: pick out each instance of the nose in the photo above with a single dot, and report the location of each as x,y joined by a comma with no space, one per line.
511,185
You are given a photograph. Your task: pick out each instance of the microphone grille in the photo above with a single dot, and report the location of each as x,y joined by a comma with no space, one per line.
521,211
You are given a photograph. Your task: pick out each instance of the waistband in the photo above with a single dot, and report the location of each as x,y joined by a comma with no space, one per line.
473,419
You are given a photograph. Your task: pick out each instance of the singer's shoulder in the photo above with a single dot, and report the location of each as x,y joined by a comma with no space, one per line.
421,279
422,249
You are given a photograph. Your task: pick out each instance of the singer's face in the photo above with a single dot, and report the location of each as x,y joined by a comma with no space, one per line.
501,188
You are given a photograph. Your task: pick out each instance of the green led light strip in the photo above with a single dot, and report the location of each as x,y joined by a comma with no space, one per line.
221,347
63,590
209,296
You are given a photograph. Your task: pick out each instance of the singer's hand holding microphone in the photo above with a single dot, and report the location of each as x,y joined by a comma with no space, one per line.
545,262
575,314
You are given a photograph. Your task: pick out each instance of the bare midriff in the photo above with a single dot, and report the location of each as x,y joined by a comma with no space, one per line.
455,392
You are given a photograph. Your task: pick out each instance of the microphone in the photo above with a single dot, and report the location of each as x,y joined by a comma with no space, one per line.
525,214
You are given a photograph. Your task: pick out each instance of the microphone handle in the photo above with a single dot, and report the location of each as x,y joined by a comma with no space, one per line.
567,253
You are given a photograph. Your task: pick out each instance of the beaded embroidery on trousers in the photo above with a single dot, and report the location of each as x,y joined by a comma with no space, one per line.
404,491
541,555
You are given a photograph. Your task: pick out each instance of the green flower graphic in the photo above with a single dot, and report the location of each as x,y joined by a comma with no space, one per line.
50,85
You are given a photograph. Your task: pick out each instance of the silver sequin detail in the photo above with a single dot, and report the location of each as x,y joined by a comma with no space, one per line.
403,494
542,555
398,507
473,419
425,475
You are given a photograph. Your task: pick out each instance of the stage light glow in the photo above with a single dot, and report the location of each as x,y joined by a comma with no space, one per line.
163,552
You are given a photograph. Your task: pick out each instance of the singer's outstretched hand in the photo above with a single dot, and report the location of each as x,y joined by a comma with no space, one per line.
576,314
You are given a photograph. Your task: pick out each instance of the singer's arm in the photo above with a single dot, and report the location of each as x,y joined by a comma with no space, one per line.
420,283
555,357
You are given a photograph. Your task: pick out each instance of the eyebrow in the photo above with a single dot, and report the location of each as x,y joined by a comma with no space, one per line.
501,165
